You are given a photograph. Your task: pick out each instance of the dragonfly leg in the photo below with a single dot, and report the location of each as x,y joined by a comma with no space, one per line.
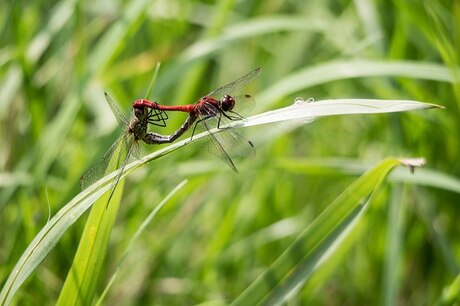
232,118
196,124
157,117
220,118
231,115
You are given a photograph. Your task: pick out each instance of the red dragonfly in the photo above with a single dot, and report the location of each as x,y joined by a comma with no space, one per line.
210,112
127,145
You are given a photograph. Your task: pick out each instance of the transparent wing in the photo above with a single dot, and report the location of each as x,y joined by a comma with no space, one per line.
226,143
243,105
122,151
230,87
100,168
133,147
122,121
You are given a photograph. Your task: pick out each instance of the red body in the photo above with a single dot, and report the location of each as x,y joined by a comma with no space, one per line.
226,104
141,103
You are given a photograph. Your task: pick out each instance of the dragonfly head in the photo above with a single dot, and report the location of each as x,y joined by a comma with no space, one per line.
140,112
226,103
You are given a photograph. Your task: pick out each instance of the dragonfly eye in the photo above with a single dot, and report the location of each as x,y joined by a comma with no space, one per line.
227,103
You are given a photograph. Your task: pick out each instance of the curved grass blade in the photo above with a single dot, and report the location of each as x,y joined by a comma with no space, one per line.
338,70
153,81
136,235
81,282
46,239
451,294
307,111
309,251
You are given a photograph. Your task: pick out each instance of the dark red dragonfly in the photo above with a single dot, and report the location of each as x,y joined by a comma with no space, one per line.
127,145
210,112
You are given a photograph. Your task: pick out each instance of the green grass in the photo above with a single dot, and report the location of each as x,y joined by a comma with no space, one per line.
303,222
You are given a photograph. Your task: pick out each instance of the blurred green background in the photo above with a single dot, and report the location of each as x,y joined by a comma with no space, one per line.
222,230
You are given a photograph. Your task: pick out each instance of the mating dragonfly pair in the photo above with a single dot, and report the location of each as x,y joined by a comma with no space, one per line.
208,113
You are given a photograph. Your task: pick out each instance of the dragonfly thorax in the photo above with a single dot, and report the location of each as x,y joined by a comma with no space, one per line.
138,125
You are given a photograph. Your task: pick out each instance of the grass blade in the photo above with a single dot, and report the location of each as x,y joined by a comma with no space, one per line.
306,111
338,70
46,239
451,294
114,40
295,266
81,282
136,235
153,81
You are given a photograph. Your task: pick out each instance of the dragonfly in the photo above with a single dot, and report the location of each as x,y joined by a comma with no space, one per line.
211,112
127,145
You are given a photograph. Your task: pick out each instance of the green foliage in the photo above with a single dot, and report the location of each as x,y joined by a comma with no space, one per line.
298,224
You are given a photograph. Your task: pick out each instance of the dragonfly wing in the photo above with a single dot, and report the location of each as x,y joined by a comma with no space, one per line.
132,149
230,87
101,167
243,105
235,144
122,121
135,152
225,143
216,147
